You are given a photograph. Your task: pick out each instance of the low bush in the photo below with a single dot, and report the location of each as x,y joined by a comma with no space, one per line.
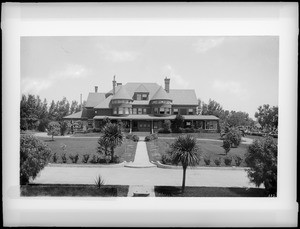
217,161
207,160
238,160
54,158
74,159
116,159
85,158
164,131
132,137
227,160
165,159
135,138
64,158
94,160
99,181
151,137
96,130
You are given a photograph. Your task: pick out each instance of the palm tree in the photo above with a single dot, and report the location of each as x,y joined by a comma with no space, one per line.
185,151
113,137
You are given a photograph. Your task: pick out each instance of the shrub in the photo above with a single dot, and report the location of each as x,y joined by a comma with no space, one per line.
151,137
166,159
54,158
234,136
99,181
166,126
96,130
207,160
238,160
132,137
262,160
94,159
64,127
177,123
227,160
135,138
116,159
74,159
85,158
64,158
34,155
226,145
217,161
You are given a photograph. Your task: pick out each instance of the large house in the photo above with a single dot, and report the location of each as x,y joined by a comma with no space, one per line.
143,107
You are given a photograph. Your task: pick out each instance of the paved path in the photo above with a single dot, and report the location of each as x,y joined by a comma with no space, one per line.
143,176
141,159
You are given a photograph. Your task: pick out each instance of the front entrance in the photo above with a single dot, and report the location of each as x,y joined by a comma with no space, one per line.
143,126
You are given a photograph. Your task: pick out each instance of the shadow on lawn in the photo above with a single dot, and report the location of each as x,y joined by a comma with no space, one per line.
171,191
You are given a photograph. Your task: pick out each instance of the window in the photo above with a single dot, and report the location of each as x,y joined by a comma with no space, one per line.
126,110
115,111
144,96
188,123
134,110
144,111
138,97
130,110
175,111
162,110
95,112
140,111
191,111
167,110
211,125
156,110
120,110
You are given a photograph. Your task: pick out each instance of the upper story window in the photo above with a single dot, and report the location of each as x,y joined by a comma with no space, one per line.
161,102
175,111
155,110
140,111
118,101
134,111
162,110
141,96
191,111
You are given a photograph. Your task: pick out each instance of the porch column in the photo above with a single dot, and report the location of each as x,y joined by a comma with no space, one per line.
130,126
151,131
192,123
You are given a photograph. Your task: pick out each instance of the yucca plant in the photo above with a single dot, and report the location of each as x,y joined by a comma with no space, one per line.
185,151
85,158
64,158
99,181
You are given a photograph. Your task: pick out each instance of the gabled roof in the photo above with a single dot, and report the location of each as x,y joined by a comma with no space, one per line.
94,99
141,88
104,103
161,94
76,115
183,97
122,94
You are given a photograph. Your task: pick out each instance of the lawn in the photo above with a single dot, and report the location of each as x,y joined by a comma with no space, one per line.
215,136
74,190
82,146
170,191
210,149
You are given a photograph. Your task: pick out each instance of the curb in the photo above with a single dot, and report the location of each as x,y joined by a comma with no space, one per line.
162,166
88,165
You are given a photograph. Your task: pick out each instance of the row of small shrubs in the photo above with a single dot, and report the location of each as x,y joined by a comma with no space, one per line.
132,137
180,130
85,159
151,137
227,160
165,159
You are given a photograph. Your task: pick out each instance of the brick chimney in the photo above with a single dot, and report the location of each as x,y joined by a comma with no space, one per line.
96,89
167,85
114,85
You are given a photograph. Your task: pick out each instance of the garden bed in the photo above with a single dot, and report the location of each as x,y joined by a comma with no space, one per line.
82,146
213,149
215,136
74,190
172,191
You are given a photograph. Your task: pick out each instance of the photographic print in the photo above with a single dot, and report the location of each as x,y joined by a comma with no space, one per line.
149,116
191,107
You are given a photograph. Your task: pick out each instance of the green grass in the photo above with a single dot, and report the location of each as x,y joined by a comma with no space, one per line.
215,136
210,149
92,134
74,190
170,191
82,146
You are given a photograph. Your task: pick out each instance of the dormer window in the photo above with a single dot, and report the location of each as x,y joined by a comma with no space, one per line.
141,96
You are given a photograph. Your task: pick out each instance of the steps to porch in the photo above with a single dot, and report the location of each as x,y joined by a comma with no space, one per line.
141,159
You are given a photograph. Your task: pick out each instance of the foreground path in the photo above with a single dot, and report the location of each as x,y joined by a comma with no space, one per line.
141,158
144,176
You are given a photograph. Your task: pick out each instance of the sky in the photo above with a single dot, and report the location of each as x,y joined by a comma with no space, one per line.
240,73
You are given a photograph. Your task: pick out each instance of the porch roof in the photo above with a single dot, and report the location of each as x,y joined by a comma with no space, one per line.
152,117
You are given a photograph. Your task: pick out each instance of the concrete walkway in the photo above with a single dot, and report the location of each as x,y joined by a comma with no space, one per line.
141,158
143,176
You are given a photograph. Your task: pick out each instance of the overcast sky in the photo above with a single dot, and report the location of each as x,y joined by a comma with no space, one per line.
240,73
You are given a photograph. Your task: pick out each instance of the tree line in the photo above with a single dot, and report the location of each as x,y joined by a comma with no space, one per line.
266,115
36,114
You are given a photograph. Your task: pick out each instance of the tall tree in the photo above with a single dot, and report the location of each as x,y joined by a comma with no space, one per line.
185,151
267,116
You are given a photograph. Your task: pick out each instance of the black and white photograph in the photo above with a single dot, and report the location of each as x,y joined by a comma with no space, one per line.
173,119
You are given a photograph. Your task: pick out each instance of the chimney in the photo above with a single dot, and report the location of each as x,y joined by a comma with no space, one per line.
81,101
167,84
114,85
119,84
96,89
